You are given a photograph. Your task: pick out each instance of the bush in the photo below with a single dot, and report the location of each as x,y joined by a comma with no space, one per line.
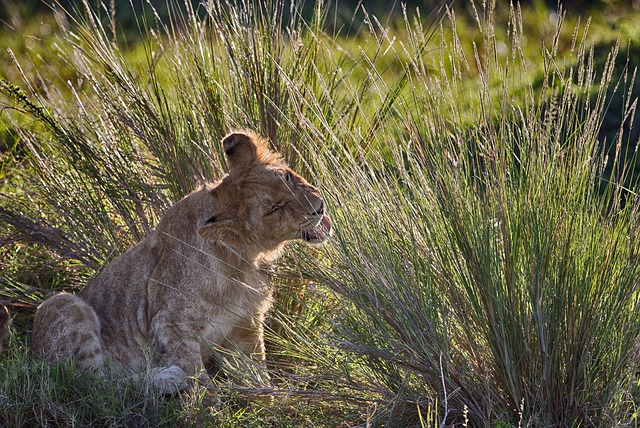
482,271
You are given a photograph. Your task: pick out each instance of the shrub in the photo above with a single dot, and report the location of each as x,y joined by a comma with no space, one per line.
482,271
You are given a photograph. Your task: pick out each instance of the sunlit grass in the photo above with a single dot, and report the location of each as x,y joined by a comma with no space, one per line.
484,267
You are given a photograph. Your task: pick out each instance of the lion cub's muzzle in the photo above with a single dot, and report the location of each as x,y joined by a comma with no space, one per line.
322,229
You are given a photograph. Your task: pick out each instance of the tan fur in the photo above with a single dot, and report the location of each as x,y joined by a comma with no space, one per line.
193,284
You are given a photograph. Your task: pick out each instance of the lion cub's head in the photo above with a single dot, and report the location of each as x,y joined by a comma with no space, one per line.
262,202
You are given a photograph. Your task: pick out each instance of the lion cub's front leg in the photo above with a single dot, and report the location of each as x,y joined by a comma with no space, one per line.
247,337
65,326
177,354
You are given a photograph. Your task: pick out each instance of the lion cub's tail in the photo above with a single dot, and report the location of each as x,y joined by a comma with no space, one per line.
4,323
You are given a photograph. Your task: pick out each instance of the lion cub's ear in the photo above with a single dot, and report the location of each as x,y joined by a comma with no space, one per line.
220,230
240,149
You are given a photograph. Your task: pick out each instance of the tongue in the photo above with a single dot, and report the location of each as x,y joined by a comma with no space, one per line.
325,225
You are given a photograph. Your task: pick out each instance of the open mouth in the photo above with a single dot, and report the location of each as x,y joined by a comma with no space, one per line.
320,233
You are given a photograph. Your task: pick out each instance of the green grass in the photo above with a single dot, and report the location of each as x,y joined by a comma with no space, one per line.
36,394
484,267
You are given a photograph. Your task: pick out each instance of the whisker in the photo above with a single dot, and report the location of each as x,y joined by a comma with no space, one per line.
194,297
237,281
200,250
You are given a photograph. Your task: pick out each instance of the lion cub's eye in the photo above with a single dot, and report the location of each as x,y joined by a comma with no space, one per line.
288,177
274,209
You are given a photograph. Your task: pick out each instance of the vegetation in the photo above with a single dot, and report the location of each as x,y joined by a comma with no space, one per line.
484,268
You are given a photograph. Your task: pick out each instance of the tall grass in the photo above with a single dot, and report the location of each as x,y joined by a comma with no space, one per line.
484,266
482,271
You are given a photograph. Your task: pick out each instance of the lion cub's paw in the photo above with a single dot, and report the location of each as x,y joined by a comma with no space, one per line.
170,380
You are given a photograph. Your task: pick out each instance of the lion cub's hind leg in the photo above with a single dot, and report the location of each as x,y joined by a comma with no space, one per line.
66,326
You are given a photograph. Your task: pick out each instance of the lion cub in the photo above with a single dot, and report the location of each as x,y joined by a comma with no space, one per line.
192,285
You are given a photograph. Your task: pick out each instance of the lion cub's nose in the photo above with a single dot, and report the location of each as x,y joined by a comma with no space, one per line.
319,211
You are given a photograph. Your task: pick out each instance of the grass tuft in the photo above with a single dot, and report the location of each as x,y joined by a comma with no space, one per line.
484,266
